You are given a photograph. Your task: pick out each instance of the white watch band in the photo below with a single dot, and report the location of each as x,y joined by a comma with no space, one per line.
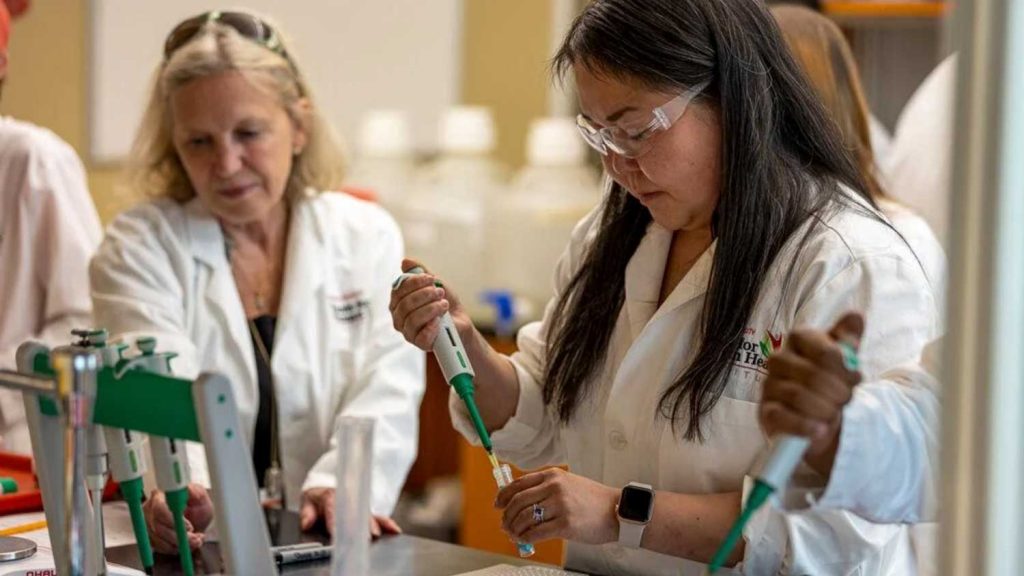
630,534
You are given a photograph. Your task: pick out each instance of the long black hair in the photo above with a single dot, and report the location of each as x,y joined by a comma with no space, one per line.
783,162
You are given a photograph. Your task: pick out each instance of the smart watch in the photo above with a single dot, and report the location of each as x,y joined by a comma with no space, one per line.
636,504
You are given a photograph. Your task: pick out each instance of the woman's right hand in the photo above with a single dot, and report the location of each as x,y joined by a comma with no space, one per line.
418,303
160,521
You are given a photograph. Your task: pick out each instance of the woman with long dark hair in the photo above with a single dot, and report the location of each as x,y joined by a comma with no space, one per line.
735,214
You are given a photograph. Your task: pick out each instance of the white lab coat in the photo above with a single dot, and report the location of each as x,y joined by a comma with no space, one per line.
48,232
162,270
926,246
918,168
852,263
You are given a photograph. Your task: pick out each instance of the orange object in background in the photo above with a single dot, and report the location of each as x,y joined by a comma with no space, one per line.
481,521
28,498
368,194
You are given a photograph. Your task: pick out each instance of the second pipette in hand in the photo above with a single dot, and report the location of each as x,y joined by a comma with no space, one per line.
786,454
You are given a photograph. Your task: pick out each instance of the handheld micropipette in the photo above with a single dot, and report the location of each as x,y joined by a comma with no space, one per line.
125,453
786,455
170,461
454,362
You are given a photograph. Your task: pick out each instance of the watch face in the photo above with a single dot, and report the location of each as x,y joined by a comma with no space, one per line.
635,504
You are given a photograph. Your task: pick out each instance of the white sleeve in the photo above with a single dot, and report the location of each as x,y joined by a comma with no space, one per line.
532,437
826,541
389,389
138,287
62,231
900,319
899,412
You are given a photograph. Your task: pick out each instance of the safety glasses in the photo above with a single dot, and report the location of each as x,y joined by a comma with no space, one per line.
633,143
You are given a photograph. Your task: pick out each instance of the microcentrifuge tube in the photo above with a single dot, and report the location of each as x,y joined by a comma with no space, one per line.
503,476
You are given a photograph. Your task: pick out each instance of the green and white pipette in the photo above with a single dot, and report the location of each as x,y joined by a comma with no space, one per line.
451,356
124,451
786,455
170,461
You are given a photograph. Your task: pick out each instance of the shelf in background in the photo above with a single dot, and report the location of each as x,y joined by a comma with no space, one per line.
880,12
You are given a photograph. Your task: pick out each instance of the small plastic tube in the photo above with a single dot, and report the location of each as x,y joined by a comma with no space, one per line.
503,476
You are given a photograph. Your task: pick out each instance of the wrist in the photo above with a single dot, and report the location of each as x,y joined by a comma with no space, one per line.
822,453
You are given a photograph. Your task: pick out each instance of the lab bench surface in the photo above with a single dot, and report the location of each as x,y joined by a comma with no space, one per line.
389,556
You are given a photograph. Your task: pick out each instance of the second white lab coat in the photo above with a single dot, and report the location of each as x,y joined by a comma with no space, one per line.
48,232
918,170
162,270
850,263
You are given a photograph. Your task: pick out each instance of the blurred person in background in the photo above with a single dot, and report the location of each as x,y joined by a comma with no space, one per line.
49,230
820,48
918,171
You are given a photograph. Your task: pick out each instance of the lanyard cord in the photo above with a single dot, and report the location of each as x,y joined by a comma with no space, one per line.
261,349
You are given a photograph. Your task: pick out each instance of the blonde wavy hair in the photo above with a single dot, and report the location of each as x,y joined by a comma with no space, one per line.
154,168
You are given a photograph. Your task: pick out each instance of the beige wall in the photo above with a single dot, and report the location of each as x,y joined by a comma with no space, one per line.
505,60
46,83
506,52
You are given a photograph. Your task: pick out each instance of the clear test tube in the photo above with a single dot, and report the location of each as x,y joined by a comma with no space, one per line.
351,555
503,476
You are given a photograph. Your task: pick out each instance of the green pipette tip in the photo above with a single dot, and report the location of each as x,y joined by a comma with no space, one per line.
176,501
132,491
463,385
758,496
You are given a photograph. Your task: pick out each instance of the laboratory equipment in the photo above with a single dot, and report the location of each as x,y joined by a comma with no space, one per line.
352,498
503,476
384,166
138,400
451,356
785,456
170,461
303,552
16,549
98,455
443,217
529,227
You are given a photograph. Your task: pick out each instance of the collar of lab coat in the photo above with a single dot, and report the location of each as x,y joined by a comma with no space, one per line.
304,272
644,275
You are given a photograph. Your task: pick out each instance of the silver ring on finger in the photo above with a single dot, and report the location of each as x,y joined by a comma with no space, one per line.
538,514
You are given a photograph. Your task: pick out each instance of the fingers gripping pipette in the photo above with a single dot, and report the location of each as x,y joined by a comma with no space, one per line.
786,454
454,362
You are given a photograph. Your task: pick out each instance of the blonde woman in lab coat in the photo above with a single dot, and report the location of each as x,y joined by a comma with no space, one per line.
735,215
245,265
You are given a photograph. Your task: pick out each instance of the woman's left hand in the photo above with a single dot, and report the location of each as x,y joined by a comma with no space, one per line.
575,508
319,503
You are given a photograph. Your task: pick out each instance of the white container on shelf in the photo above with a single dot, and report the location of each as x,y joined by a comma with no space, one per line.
529,227
384,162
443,217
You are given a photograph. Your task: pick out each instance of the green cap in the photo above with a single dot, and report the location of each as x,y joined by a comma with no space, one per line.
8,485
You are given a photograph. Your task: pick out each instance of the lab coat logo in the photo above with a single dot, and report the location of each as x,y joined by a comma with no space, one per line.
753,353
350,306
770,343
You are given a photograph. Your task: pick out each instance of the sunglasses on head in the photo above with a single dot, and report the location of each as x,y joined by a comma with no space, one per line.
247,25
